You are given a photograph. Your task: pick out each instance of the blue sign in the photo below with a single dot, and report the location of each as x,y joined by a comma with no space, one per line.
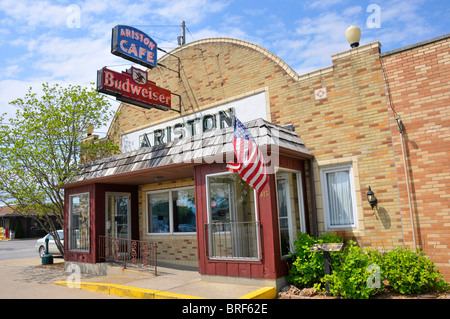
134,45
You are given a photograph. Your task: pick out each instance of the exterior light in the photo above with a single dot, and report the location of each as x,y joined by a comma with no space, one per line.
371,198
353,35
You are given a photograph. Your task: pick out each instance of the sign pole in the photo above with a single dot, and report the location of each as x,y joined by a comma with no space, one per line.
327,268
326,248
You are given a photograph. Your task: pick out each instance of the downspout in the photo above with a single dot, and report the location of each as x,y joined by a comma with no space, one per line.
313,199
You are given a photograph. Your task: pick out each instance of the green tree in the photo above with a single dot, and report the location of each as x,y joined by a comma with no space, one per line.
42,146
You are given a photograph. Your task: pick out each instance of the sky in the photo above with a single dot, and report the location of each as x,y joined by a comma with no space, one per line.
66,42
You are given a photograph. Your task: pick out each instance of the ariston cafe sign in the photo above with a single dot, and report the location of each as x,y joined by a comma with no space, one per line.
132,85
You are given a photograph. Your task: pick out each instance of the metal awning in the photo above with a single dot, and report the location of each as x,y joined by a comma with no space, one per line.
178,156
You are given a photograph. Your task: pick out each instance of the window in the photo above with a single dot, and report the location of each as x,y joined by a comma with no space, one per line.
339,200
232,230
171,211
79,230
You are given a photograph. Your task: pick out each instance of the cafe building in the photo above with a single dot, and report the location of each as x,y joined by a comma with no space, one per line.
327,138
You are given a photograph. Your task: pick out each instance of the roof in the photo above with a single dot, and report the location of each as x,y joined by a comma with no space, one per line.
415,45
201,148
6,211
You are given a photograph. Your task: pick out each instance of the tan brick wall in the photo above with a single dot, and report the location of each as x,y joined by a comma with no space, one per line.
351,126
418,82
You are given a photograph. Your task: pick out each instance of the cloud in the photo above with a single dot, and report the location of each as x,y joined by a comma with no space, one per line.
32,14
193,11
323,4
317,38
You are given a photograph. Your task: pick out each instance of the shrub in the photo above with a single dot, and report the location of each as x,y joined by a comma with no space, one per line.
308,267
411,272
355,276
359,274
18,229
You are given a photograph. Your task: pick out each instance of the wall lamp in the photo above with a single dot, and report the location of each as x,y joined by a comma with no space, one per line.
371,198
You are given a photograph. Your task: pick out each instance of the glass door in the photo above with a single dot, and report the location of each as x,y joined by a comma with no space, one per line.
291,214
284,213
117,215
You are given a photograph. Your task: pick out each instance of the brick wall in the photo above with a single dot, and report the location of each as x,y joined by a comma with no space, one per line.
418,80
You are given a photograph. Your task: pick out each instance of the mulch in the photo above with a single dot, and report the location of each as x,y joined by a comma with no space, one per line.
292,292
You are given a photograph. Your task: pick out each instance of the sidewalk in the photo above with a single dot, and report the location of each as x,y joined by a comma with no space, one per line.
170,283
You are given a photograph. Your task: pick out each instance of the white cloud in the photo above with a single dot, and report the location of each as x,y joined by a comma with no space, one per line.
35,13
323,4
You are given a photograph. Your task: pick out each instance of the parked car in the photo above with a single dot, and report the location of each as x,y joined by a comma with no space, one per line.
52,248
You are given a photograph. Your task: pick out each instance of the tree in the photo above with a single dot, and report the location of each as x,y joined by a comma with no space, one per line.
42,145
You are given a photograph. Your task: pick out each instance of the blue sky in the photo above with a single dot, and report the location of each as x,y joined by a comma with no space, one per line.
58,41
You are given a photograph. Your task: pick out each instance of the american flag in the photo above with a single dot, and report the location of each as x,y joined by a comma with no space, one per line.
250,166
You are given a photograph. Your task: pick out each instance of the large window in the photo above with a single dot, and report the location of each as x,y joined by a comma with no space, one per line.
232,229
171,211
79,231
339,200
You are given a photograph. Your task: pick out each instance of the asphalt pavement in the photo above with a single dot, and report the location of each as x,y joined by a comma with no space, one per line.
17,248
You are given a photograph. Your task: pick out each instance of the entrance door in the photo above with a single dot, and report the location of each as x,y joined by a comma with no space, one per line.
291,216
118,215
284,213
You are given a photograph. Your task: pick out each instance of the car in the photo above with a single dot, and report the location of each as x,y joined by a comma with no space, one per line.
52,248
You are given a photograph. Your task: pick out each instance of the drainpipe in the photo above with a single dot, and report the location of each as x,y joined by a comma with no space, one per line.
313,198
400,129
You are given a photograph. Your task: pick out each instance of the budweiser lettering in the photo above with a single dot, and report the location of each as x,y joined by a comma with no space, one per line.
133,87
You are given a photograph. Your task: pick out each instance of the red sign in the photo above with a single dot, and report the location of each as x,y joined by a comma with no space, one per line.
133,87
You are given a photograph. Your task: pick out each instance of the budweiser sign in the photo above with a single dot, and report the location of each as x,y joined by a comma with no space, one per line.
133,87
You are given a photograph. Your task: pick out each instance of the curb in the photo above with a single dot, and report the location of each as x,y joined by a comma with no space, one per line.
126,291
141,293
262,293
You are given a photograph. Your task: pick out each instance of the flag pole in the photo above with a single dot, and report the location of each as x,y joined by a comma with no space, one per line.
233,117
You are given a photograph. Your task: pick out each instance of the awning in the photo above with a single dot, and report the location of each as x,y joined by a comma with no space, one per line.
178,158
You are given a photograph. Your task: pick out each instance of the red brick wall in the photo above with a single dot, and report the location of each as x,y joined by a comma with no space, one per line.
418,80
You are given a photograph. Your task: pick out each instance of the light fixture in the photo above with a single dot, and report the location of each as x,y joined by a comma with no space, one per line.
371,198
353,35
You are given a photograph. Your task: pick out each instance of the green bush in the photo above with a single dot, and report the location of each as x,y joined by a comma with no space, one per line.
308,267
18,229
411,272
359,274
355,277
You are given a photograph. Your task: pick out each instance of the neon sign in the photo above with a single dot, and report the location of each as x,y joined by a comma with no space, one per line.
134,45
132,86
